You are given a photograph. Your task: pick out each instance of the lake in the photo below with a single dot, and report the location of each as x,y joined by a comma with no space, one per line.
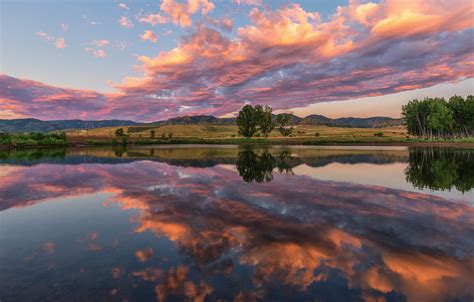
228,223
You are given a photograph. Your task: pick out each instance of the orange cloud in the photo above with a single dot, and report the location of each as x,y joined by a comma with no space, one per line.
149,35
153,19
286,57
144,255
180,13
125,22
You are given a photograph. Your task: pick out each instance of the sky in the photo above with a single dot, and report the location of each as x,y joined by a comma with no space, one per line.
152,60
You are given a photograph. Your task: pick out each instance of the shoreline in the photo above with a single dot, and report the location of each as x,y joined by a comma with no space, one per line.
289,142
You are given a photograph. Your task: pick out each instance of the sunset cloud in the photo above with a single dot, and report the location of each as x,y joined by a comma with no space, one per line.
248,2
58,42
282,231
125,22
100,43
148,35
180,12
124,6
98,53
285,57
153,19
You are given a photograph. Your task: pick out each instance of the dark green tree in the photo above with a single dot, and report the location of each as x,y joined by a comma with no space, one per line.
264,119
119,132
435,118
469,114
283,122
247,121
440,120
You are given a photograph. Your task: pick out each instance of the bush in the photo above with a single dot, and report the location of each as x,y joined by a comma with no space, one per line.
378,134
317,134
119,132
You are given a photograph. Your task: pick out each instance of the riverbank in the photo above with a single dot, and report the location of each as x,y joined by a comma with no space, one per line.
368,141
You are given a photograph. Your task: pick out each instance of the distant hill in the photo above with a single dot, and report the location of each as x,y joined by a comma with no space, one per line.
196,120
30,124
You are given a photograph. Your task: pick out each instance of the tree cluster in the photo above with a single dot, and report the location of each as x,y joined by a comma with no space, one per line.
260,119
437,118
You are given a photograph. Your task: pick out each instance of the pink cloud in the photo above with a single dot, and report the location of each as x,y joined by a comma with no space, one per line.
98,53
123,6
125,22
148,35
100,43
180,13
224,23
248,2
58,42
290,57
153,19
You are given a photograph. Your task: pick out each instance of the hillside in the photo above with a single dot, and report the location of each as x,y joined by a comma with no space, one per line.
35,125
29,125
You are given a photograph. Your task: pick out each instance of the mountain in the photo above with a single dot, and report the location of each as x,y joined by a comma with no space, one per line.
196,120
30,124
355,122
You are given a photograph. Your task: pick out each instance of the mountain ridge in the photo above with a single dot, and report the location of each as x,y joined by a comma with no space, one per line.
32,124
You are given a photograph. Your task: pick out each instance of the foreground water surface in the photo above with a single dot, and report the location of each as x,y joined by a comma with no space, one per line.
227,223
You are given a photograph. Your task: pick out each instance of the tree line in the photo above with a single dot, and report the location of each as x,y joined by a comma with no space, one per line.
260,119
432,118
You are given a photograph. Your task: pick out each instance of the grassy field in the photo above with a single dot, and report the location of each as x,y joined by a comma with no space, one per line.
212,132
218,134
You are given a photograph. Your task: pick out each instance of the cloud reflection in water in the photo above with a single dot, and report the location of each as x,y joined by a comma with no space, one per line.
277,235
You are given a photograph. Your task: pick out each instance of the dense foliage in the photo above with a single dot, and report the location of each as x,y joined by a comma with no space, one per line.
247,121
437,118
33,139
260,119
283,121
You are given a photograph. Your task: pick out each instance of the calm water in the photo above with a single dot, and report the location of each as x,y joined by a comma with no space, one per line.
237,224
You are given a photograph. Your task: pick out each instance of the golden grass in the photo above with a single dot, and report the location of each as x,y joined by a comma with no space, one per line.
223,132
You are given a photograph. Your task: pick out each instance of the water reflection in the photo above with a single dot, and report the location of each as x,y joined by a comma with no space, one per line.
428,168
441,169
259,166
181,225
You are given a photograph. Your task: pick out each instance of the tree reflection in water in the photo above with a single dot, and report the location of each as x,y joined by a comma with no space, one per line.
258,166
441,168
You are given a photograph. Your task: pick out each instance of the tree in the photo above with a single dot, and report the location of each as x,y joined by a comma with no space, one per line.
247,121
415,115
119,132
469,114
457,104
436,118
152,134
283,122
440,120
264,119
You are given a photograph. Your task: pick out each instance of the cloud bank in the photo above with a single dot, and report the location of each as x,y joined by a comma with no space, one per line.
285,57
